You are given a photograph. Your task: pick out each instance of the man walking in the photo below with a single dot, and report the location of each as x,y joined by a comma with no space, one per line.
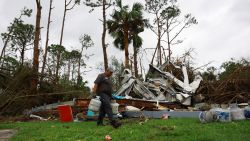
103,88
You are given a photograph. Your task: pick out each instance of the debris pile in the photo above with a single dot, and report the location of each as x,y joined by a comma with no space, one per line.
160,85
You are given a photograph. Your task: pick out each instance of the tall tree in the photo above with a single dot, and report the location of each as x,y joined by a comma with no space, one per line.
47,39
36,46
122,24
167,21
6,36
105,5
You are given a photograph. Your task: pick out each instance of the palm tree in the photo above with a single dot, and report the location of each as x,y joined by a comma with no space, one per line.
124,25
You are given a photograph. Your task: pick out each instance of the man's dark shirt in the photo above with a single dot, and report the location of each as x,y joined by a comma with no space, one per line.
104,84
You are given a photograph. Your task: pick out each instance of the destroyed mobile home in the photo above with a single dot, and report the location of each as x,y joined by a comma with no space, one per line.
160,87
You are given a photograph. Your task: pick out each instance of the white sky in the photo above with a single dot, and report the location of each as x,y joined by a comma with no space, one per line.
222,32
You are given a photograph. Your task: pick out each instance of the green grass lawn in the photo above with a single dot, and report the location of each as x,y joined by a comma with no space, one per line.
176,129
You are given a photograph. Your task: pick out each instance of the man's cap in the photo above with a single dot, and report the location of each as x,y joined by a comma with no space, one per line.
111,69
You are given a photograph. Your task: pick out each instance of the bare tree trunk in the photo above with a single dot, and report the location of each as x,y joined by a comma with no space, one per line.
135,62
36,47
64,16
126,47
105,58
47,40
66,5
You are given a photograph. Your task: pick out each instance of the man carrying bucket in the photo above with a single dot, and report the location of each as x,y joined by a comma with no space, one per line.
103,88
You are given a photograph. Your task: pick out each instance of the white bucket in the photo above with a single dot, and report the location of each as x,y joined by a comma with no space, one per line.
206,116
115,108
94,104
237,114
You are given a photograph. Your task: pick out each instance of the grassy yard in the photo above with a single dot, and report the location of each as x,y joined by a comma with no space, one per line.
178,129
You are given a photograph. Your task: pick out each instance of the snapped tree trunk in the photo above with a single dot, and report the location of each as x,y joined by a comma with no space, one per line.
34,81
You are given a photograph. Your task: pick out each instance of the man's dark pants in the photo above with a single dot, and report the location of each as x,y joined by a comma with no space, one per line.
105,108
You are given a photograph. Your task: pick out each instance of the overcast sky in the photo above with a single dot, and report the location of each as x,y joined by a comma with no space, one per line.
222,31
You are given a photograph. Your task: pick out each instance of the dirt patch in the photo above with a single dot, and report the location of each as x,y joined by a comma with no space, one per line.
6,134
